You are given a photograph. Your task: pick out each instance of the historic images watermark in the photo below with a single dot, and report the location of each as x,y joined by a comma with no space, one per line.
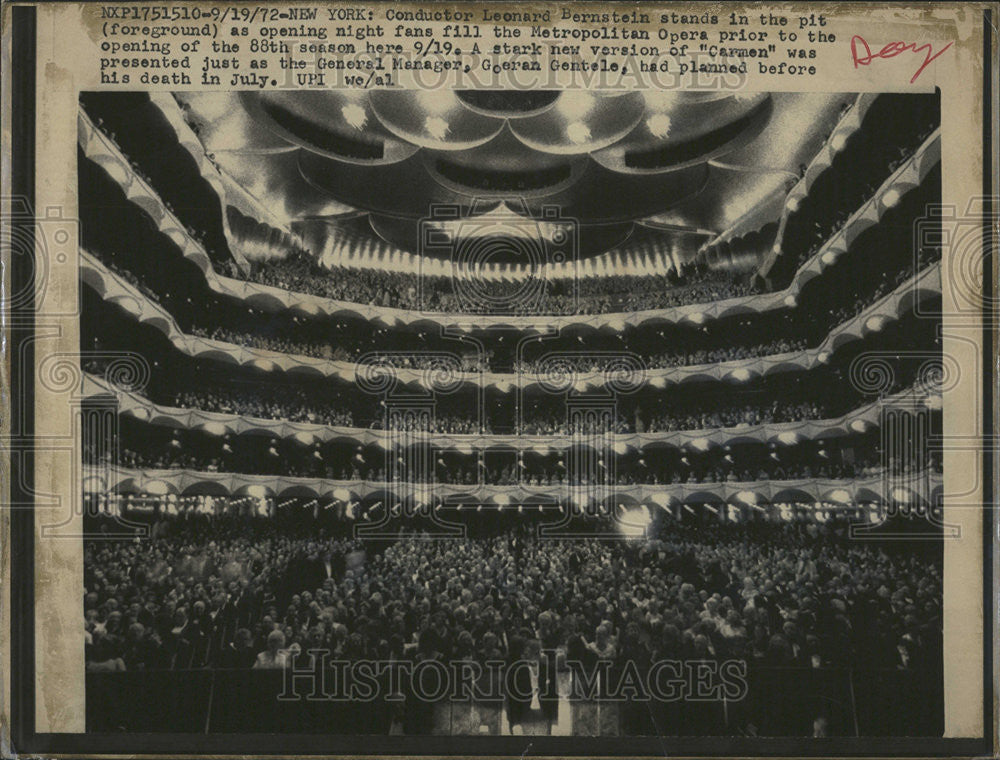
315,675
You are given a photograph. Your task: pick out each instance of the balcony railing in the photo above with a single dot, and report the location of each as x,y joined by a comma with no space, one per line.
922,489
865,417
892,306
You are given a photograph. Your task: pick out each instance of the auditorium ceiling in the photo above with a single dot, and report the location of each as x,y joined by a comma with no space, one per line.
681,162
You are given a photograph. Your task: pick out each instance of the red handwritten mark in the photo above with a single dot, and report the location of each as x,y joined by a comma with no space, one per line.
891,50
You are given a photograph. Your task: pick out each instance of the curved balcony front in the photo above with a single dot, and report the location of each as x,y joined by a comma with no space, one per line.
921,490
861,420
550,375
100,149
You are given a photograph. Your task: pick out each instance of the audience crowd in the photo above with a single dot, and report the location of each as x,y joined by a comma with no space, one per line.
254,593
299,272
826,395
266,402
295,405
